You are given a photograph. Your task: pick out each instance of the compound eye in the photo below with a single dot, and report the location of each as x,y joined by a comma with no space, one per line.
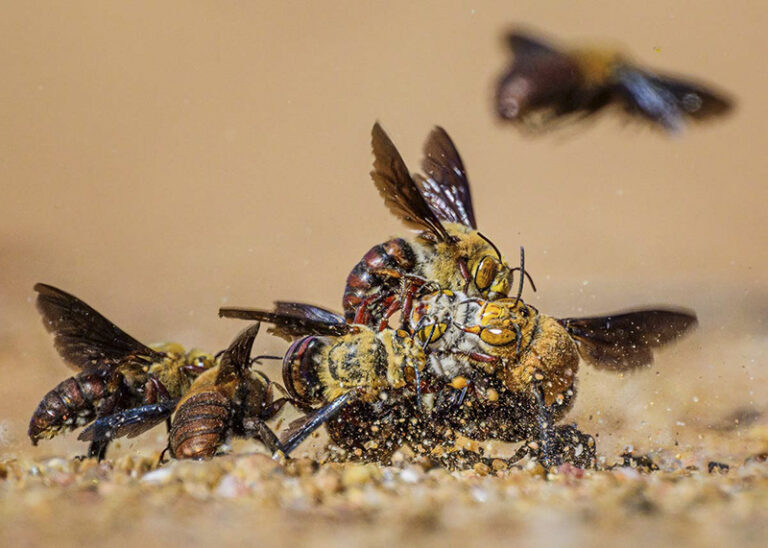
431,333
486,272
497,336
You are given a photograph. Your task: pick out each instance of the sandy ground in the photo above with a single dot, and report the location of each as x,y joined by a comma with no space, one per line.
160,162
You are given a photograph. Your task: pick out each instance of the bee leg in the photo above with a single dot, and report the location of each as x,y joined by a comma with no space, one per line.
313,421
363,314
154,390
393,307
161,458
546,430
98,449
464,271
256,428
274,408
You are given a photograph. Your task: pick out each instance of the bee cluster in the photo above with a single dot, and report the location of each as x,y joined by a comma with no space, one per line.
435,346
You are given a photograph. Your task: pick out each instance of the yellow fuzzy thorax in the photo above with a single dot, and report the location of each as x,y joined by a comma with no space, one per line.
171,372
597,65
551,360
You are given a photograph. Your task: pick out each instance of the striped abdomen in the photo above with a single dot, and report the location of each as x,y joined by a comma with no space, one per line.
377,273
320,369
200,425
72,403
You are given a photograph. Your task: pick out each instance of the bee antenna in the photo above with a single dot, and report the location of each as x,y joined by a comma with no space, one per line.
522,275
496,249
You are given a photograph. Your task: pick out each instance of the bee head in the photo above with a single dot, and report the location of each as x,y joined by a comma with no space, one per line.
200,361
490,274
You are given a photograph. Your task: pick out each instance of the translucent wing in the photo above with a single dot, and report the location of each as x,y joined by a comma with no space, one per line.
235,359
445,187
399,190
293,319
667,100
85,338
626,340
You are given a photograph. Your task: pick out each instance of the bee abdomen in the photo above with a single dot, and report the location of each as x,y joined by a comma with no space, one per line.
72,403
200,425
300,374
374,272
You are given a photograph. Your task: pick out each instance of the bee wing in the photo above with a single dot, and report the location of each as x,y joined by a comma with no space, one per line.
235,359
302,427
293,319
399,190
128,423
668,100
82,336
445,187
523,44
625,341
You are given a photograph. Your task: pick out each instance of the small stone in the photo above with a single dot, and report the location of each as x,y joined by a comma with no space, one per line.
358,474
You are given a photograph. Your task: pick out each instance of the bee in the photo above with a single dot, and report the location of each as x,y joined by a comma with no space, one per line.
116,371
491,370
448,252
231,398
517,367
335,367
544,85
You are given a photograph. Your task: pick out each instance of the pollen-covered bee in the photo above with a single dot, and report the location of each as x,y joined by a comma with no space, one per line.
544,85
492,370
516,368
116,371
229,399
332,366
448,252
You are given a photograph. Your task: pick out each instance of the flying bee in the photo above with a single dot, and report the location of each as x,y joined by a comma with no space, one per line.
448,252
544,85
518,367
334,367
116,370
229,399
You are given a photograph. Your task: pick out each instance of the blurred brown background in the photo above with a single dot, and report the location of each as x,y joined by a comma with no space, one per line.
162,160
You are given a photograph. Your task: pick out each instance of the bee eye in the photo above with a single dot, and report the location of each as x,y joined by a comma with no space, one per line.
431,333
485,272
497,336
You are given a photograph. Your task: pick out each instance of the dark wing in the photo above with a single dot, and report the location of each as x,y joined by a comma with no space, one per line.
666,100
130,423
624,341
445,187
235,359
82,336
399,190
302,427
293,319
523,44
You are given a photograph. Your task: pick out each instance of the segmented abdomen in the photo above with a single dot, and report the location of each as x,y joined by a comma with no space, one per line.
378,272
72,403
200,425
